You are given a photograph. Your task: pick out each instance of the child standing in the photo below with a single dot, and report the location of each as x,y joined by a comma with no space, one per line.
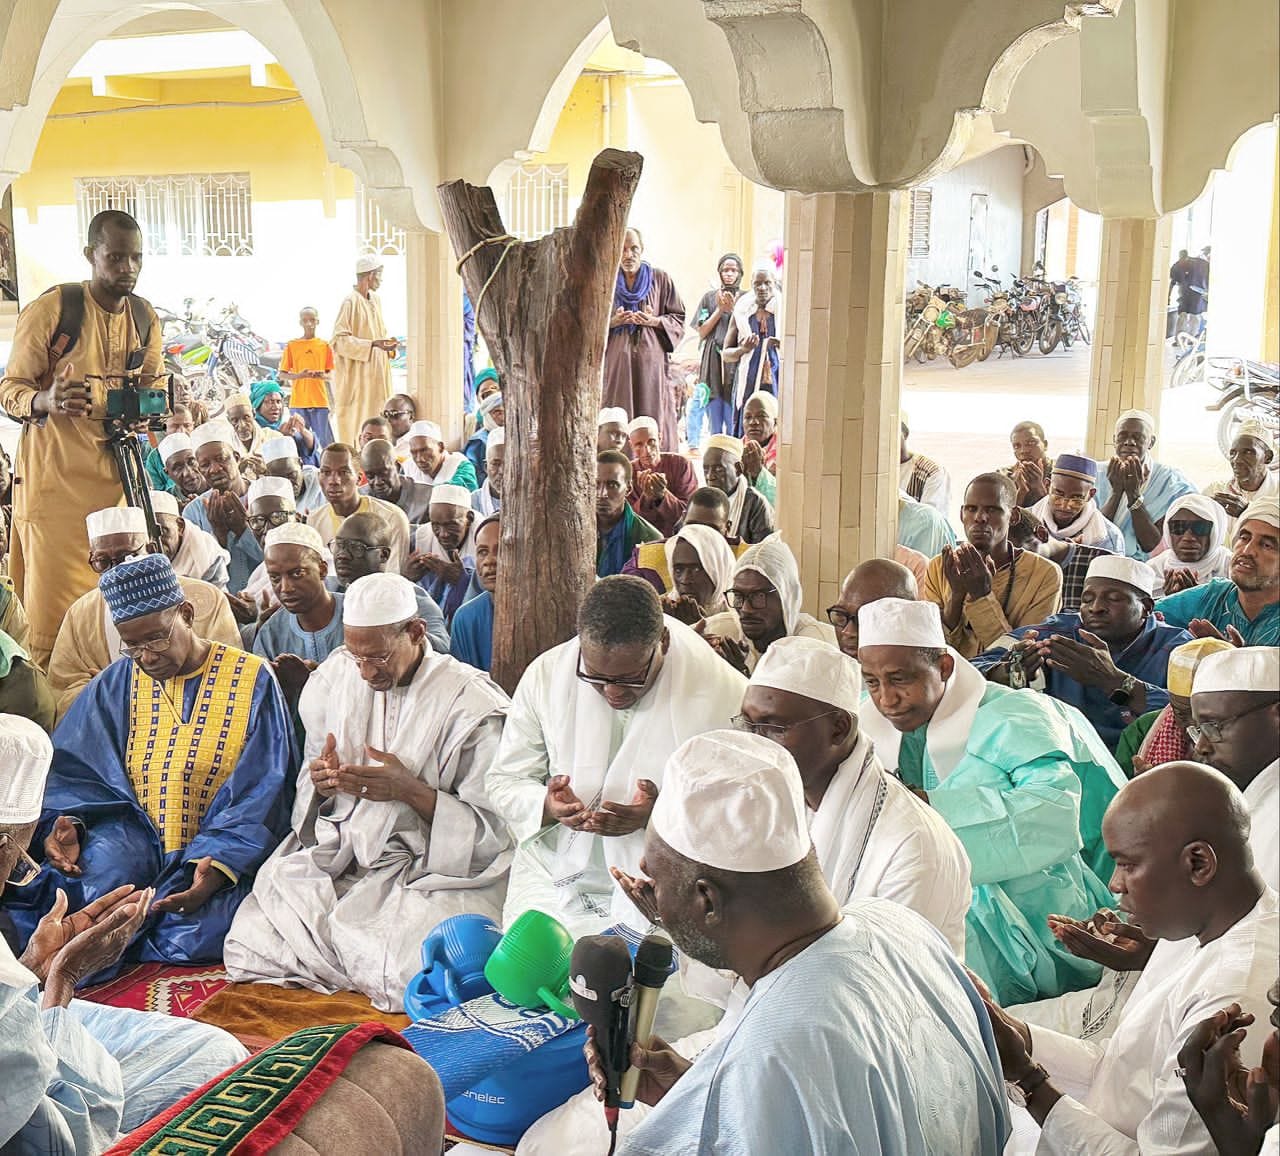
307,365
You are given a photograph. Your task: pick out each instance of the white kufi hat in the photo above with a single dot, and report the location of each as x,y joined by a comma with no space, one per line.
1240,668
899,622
25,753
1121,569
813,668
379,600
116,520
269,487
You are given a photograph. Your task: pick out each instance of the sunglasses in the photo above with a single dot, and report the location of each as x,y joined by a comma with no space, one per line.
1200,527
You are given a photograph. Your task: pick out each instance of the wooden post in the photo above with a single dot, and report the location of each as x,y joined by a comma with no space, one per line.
543,307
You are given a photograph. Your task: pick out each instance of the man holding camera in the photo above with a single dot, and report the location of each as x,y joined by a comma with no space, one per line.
56,384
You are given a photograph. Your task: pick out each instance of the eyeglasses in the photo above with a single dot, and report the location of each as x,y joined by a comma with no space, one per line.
600,681
1077,502
1213,731
381,662
1200,527
154,645
270,521
774,731
756,599
24,870
840,618
351,548
392,414
101,563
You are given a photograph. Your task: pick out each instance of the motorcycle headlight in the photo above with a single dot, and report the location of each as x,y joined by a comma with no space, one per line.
1060,298
931,314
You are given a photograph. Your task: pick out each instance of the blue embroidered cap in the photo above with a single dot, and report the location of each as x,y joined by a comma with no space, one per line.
138,586
1076,466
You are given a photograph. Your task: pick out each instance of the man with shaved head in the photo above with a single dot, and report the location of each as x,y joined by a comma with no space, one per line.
869,581
1179,835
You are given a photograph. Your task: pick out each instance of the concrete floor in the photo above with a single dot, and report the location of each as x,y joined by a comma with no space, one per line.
962,417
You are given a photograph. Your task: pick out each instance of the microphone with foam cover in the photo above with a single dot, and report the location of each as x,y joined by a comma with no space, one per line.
653,965
600,981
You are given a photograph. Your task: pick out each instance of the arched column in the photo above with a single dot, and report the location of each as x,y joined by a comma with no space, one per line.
434,295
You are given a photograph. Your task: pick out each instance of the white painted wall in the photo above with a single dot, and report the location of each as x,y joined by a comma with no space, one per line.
999,175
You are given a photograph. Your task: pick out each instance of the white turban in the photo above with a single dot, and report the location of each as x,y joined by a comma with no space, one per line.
296,534
273,449
733,801
25,754
215,432
1137,415
773,559
1254,668
612,415
1262,510
379,600
426,429
450,495
715,555
269,487
899,622
813,668
1253,428
116,520
497,437
766,399
173,444
1120,569
640,423
163,502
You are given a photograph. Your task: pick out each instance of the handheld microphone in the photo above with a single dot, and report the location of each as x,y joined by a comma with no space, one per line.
600,981
653,965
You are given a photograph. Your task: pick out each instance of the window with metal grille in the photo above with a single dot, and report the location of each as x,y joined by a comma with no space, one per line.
921,218
193,215
375,235
537,200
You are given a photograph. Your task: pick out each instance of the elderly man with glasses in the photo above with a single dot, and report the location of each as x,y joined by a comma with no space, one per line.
1069,509
592,724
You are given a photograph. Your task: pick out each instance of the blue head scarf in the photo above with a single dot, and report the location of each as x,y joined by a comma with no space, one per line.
258,393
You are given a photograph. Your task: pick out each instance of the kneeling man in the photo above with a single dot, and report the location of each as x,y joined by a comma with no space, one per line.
392,831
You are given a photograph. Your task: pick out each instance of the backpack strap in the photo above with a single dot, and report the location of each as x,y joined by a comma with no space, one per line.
142,316
70,321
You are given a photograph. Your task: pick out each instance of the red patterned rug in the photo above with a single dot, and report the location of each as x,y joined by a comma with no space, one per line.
159,987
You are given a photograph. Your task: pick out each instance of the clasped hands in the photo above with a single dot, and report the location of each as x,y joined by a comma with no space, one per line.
634,317
384,779
420,563
612,819
1087,661
969,574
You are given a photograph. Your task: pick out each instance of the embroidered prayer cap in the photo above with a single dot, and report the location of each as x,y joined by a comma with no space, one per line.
426,429
175,443
367,264
139,586
1121,569
295,534
899,622
274,449
379,600
726,442
773,558
1254,668
612,415
1253,428
25,753
733,801
1076,466
1185,660
813,668
235,401
766,399
642,422
497,437
715,555
163,502
1263,510
269,487
216,431
116,520
450,495
1137,415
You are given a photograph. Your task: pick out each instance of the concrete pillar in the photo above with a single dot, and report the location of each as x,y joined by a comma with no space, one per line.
1271,290
434,299
1127,366
842,373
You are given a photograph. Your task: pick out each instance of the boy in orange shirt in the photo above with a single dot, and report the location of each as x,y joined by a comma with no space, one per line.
307,364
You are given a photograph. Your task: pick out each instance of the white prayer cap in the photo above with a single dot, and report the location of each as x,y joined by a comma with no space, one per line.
295,534
1137,415
1253,428
163,502
611,415
379,600
643,423
497,437
733,801
448,495
269,487
898,622
217,431
1240,668
367,264
426,429
273,449
116,520
727,443
1121,569
25,754
1263,510
813,668
174,444
773,558
768,402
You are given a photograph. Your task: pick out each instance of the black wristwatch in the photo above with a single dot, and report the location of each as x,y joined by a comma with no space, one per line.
1121,695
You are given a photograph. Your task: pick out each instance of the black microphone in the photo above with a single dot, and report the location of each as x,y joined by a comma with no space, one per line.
600,980
653,965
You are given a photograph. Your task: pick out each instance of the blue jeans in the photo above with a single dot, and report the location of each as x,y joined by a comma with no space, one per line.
694,415
720,416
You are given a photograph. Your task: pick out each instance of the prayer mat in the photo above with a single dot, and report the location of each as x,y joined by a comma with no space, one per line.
253,1107
254,1012
159,987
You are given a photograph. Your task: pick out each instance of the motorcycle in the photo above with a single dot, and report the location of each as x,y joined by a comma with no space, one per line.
1074,326
1000,306
1249,389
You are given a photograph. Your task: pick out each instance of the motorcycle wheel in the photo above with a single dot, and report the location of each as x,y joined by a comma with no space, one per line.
912,344
1083,332
965,355
1025,338
1188,370
1049,337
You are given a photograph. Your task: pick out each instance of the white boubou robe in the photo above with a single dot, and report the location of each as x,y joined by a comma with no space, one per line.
559,725
347,899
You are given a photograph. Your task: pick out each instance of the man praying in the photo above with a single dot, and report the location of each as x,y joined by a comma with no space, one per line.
869,581
280,456
1031,462
471,636
611,429
661,482
182,473
387,482
750,515
194,552
1252,456
1191,545
443,561
434,465
1070,508
221,508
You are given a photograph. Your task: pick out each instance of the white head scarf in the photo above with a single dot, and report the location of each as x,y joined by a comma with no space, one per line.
774,559
1217,558
714,554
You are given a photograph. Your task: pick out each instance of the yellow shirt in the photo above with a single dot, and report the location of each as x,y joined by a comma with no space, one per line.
315,355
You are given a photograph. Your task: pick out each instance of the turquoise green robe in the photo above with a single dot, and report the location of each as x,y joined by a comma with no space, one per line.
1024,800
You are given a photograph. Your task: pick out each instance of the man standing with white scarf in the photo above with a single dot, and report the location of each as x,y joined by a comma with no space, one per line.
592,724
392,831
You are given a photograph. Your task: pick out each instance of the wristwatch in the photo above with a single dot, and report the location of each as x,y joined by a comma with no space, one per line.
1138,503
1020,1091
1121,695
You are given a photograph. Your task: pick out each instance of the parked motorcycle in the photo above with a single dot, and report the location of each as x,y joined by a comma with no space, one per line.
1249,389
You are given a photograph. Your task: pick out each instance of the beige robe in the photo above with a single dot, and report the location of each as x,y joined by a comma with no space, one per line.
64,468
361,373
328,523
88,642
